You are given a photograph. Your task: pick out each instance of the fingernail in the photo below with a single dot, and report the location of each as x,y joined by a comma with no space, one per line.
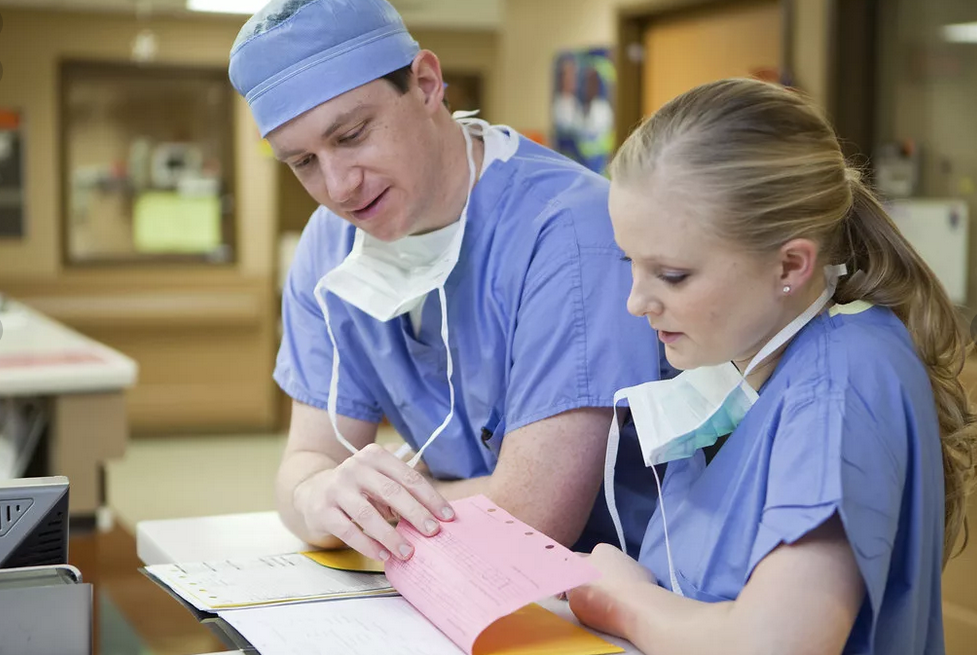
430,526
405,551
384,556
448,513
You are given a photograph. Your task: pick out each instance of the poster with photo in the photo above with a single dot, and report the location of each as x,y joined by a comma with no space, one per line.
11,175
583,110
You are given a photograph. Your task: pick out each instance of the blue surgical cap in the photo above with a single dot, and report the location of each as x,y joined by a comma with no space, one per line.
293,55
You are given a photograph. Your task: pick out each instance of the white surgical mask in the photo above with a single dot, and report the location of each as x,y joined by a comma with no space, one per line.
386,280
674,418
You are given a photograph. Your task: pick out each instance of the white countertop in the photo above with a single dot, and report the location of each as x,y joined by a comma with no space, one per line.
170,541
39,356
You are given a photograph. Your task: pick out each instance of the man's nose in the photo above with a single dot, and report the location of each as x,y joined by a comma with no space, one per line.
342,179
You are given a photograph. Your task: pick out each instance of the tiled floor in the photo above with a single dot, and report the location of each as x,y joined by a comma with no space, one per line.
171,477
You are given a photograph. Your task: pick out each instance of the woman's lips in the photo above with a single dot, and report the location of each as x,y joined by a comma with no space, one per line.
669,337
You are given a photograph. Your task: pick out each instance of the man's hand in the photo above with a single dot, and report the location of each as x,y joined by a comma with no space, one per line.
408,454
356,501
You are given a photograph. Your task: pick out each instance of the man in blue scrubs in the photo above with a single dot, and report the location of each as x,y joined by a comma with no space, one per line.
457,279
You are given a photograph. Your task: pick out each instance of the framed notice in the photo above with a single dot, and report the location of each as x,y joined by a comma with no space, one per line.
11,174
583,111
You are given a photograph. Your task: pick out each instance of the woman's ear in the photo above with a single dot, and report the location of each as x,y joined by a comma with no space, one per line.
429,79
798,262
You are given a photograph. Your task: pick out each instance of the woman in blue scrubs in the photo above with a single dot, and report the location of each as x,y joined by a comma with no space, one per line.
821,523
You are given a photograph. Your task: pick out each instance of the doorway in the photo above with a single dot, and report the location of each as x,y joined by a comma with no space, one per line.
689,49
665,53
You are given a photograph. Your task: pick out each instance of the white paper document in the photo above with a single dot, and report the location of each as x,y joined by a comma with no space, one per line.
364,626
239,583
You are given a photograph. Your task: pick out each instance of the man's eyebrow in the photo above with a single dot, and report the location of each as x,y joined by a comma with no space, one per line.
341,121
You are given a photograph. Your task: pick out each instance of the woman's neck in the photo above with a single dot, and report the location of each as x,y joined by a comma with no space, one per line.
759,375
795,306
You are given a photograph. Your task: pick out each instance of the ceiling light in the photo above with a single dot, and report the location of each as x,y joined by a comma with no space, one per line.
960,33
227,6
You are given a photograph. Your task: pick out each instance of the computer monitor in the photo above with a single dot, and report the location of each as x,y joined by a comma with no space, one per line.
33,522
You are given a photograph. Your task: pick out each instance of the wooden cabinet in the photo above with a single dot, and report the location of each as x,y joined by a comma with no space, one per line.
204,340
960,576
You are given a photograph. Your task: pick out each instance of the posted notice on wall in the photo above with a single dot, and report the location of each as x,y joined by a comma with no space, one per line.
11,174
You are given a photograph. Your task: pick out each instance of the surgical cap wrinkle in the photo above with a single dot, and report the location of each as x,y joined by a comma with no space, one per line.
271,16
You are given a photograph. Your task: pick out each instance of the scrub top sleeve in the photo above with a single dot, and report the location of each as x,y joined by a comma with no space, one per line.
833,454
304,364
574,343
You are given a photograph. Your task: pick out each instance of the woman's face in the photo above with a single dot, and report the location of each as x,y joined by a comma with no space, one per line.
710,301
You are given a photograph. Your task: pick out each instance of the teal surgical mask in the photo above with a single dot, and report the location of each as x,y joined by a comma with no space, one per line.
675,418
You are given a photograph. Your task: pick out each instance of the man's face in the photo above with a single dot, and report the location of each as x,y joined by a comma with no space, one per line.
370,155
568,76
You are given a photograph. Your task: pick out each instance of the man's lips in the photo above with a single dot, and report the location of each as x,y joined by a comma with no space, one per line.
371,208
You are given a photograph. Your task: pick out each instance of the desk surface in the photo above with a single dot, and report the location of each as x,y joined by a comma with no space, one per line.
244,535
39,356
134,615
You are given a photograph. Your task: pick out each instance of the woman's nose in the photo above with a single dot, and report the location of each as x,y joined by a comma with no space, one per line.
641,303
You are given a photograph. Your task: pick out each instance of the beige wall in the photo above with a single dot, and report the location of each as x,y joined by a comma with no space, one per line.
535,30
204,336
468,52
810,48
34,42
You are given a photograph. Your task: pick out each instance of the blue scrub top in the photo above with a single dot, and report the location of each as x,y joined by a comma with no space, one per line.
537,325
846,424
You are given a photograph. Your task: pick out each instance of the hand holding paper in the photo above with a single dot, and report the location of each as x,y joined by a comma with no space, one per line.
483,566
598,604
471,588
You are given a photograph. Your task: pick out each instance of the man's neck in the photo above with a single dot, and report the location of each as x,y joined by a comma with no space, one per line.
457,173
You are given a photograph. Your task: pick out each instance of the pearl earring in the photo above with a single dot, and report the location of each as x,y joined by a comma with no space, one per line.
787,289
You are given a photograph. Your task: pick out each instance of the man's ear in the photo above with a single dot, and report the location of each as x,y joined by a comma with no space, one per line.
429,79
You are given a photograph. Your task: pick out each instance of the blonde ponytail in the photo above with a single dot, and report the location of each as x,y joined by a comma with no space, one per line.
893,275
768,167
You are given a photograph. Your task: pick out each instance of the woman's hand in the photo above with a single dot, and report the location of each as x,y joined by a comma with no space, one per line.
599,605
